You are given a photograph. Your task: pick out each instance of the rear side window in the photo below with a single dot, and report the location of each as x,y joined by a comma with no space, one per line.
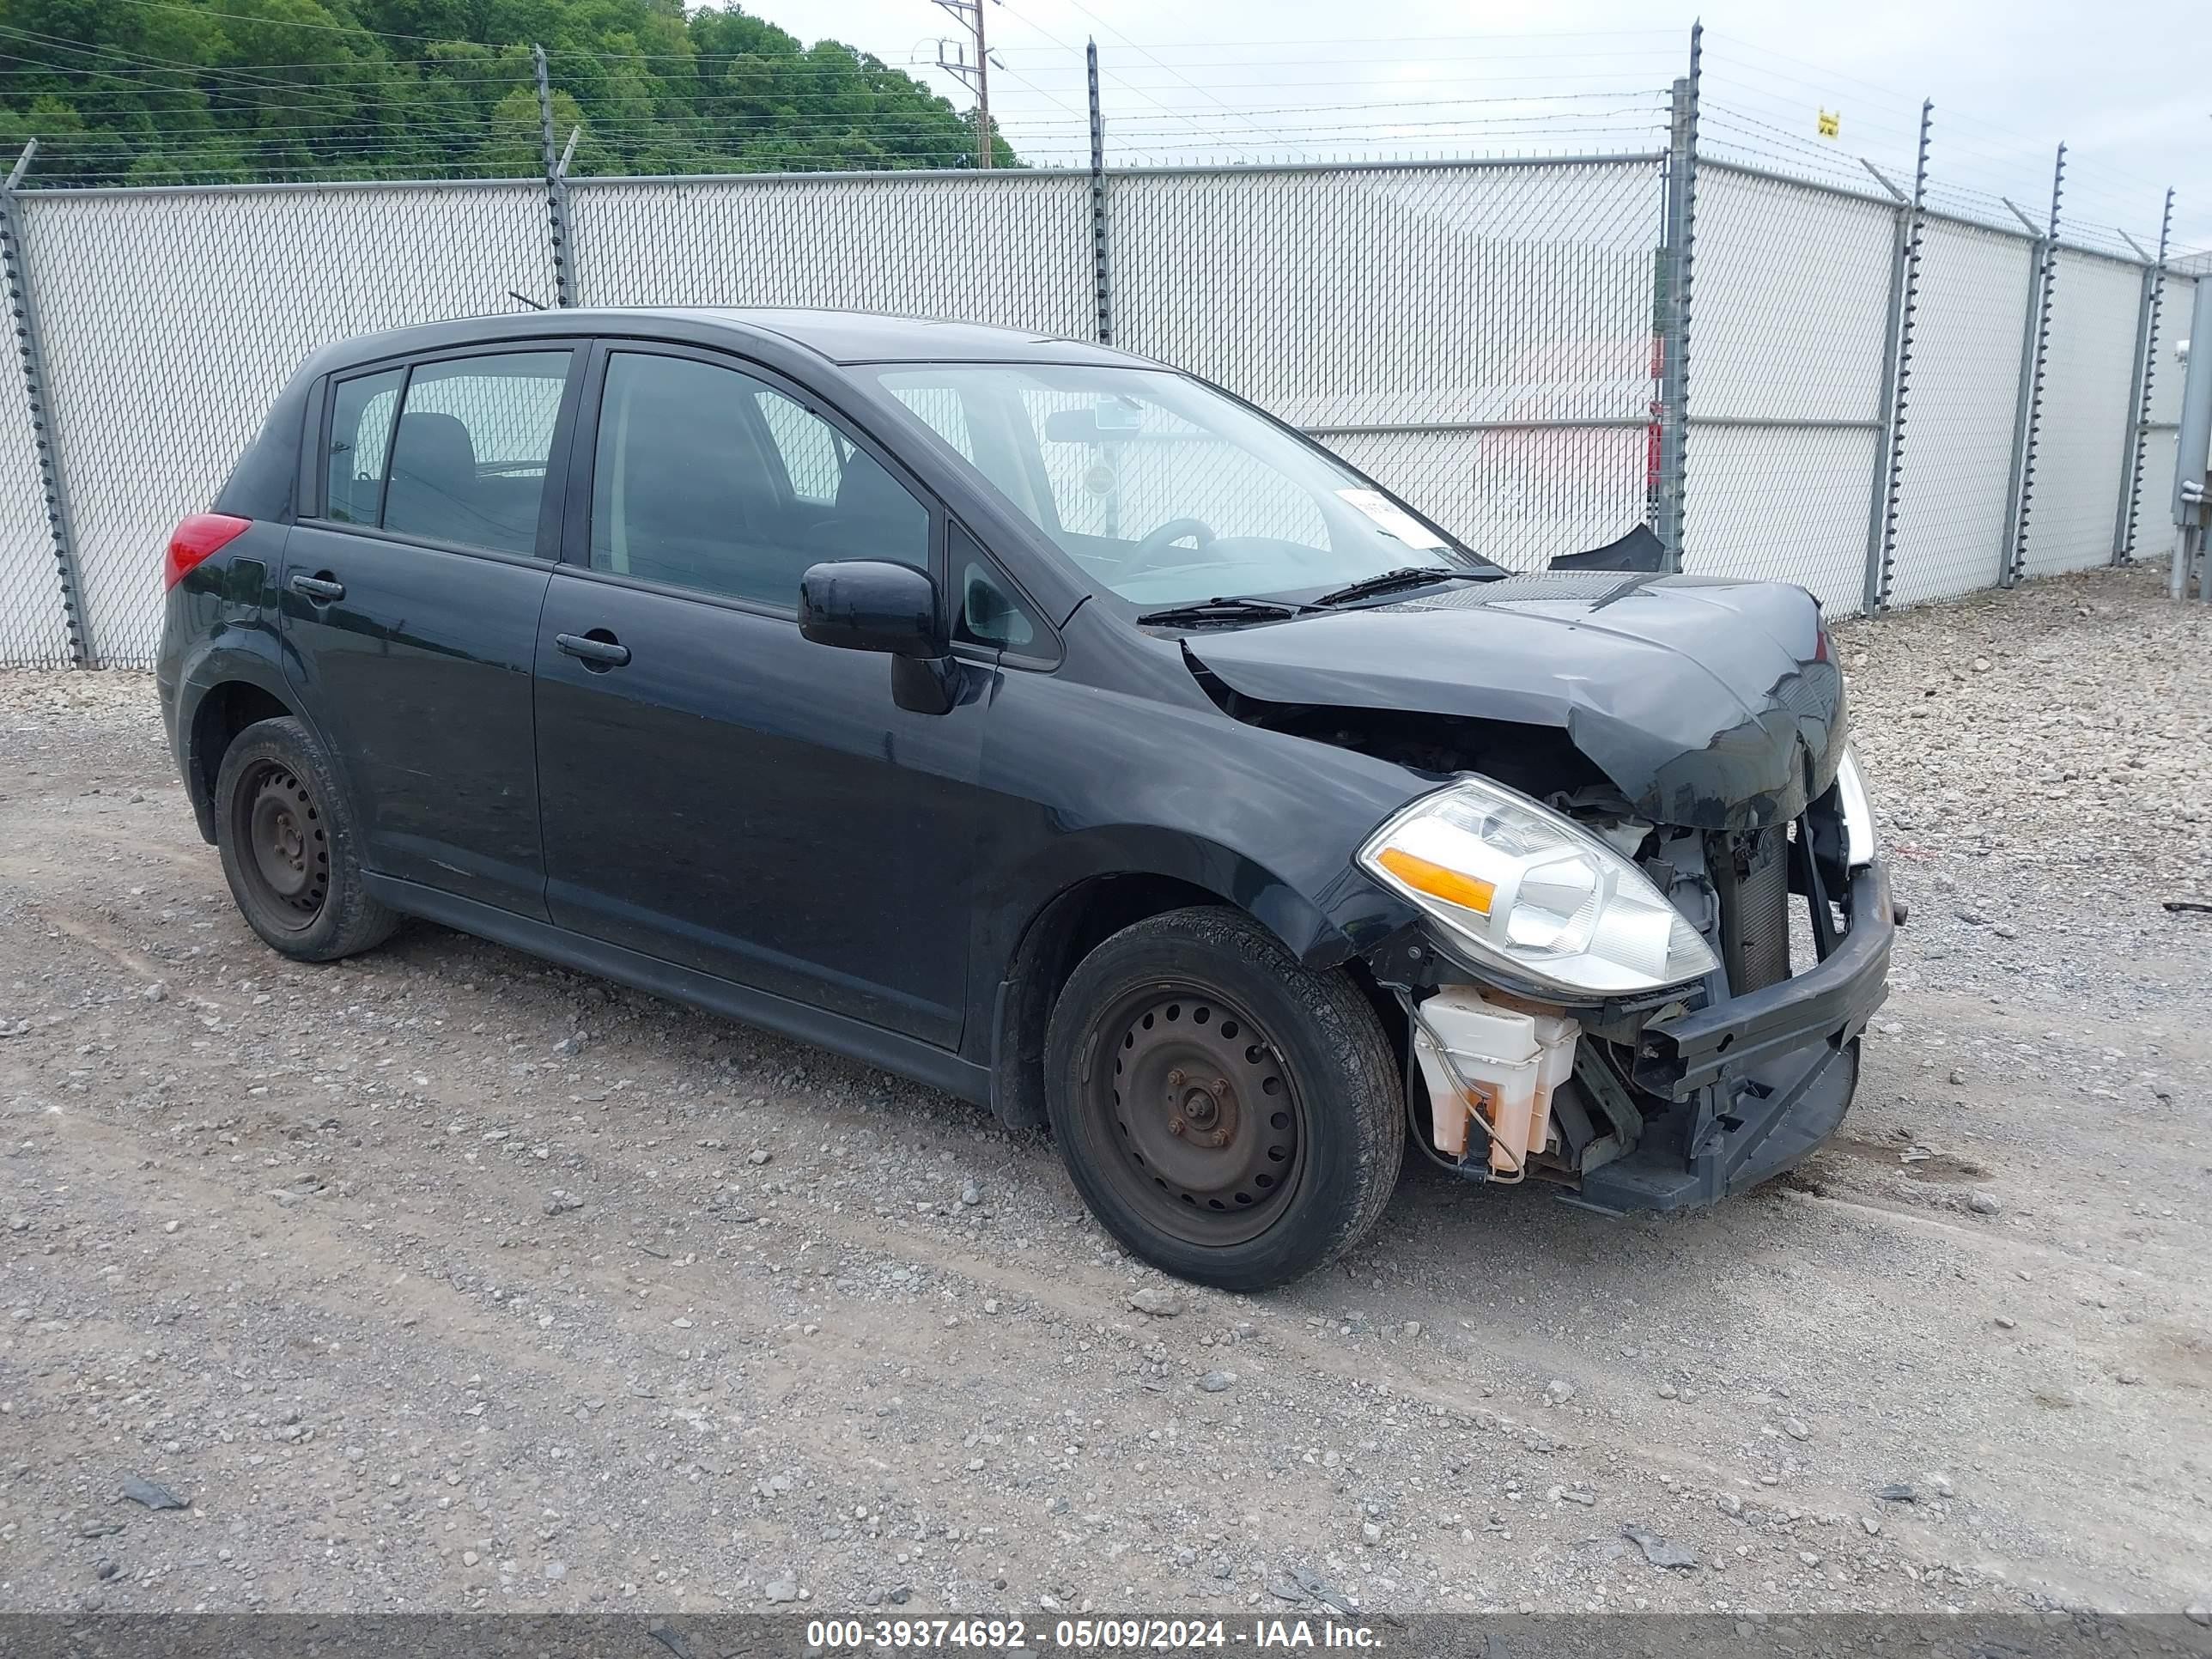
361,443
469,455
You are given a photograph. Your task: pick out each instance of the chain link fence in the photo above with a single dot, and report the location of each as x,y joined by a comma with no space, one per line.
1489,338
1954,506
2081,437
1785,421
183,312
2152,516
1477,337
1010,247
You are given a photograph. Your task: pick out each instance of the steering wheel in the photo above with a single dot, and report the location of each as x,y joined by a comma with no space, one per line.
1152,550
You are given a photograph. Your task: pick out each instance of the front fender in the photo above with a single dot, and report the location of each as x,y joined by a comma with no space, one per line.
1084,781
1295,916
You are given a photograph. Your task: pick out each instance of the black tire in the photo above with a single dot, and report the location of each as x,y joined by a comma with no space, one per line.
1263,1121
290,850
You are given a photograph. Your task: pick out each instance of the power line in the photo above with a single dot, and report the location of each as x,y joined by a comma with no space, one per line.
1673,35
1115,76
1142,51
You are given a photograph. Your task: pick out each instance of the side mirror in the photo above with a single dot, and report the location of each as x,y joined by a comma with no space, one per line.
871,605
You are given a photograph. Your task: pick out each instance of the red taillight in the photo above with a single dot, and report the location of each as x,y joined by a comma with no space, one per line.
197,538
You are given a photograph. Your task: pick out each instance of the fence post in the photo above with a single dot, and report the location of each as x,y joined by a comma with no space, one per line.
556,187
1678,237
23,312
2131,457
1101,264
2028,413
1896,372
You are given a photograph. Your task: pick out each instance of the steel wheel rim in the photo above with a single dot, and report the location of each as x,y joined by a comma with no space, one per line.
1196,1119
283,848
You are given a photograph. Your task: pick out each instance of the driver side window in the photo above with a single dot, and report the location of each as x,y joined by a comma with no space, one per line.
706,479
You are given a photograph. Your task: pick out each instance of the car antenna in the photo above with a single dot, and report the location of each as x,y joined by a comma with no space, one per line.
517,294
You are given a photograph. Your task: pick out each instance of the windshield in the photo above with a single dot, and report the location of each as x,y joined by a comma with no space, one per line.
1166,492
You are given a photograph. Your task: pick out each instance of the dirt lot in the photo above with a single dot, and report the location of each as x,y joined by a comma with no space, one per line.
442,1279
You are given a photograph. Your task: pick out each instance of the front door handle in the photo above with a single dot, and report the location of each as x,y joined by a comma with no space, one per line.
320,590
599,649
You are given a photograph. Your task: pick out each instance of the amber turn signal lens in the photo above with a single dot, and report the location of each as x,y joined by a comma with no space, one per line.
1437,882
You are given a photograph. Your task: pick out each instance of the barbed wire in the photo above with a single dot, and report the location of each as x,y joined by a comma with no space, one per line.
364,108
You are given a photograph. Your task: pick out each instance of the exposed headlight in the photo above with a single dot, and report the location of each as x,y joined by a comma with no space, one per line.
1535,892
1858,816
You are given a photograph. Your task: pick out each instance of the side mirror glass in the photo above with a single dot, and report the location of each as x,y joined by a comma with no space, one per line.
871,605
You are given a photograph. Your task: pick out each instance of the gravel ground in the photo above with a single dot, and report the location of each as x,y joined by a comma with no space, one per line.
441,1278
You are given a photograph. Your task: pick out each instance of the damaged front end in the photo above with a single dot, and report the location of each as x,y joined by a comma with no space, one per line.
1674,1097
1649,925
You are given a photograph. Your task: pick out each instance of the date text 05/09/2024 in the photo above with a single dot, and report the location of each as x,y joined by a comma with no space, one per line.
1087,1635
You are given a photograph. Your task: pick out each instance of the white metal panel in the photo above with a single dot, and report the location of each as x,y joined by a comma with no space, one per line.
1960,401
1357,296
1789,314
2176,305
1012,248
2154,495
2088,372
1781,505
1789,301
171,318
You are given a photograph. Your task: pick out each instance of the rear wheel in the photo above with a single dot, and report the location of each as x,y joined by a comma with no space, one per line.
289,846
1229,1116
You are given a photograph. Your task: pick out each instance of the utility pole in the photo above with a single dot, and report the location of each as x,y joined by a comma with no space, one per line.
976,75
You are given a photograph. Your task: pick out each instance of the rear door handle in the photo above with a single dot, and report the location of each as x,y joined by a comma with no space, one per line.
607,652
322,590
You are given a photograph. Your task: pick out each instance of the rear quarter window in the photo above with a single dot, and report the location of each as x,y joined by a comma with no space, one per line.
361,412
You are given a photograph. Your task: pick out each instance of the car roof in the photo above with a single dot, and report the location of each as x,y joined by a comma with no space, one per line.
844,338
867,337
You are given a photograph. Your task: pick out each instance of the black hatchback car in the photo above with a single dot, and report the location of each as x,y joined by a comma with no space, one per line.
1047,726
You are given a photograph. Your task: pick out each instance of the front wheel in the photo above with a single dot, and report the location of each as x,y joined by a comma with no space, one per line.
1230,1116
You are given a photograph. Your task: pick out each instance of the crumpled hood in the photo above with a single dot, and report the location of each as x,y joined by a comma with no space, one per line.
1708,703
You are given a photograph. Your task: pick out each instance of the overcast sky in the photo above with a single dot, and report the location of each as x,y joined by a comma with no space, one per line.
2127,83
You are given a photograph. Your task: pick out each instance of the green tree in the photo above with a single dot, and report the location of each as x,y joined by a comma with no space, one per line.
214,91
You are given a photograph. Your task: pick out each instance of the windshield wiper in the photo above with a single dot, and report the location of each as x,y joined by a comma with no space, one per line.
1412,575
1229,609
